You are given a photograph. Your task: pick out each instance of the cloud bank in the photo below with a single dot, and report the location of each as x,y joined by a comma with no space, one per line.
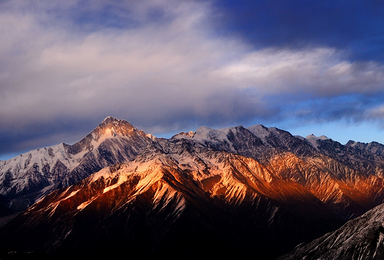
165,67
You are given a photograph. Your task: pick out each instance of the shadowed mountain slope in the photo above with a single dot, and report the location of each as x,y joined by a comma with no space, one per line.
360,238
194,202
254,190
29,176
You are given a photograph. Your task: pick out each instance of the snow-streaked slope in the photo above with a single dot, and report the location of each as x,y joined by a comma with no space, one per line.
218,184
261,131
347,178
361,238
15,172
29,176
273,183
195,195
313,140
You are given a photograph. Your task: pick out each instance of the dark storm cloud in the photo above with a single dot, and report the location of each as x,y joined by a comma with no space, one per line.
169,66
355,26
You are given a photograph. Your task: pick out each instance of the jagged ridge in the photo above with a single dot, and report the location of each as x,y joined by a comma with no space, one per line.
29,176
197,200
361,238
261,180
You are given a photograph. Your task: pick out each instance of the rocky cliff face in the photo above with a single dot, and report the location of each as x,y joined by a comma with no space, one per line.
360,238
29,176
193,200
347,178
246,190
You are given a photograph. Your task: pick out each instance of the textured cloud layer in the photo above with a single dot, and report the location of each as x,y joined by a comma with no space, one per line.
164,66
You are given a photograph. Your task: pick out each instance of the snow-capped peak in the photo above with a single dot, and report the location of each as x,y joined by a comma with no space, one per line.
351,143
151,136
189,134
313,140
110,118
260,131
50,166
112,127
206,133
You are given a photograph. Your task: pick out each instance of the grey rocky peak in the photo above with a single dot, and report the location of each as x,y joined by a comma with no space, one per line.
190,134
28,177
315,141
272,183
361,238
174,197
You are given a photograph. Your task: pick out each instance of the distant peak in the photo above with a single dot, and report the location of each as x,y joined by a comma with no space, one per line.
312,139
260,131
110,118
112,127
312,136
152,137
352,143
111,121
190,134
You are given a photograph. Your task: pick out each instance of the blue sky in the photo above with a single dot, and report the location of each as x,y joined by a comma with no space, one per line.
308,67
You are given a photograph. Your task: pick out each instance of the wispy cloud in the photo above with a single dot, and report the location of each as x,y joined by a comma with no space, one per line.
161,65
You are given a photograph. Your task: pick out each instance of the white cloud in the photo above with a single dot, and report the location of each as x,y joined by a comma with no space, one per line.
318,71
53,65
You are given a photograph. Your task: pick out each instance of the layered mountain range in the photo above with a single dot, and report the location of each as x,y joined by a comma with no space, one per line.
29,176
253,191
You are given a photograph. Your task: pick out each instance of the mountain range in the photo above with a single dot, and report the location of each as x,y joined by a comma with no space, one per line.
29,176
252,191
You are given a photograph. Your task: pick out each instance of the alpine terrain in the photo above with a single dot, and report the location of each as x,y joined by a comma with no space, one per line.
361,238
253,191
29,176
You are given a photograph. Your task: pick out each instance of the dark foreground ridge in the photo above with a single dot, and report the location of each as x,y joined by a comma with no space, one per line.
251,192
361,238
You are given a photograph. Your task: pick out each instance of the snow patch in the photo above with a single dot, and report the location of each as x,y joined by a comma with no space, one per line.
109,118
205,133
148,180
152,137
260,131
73,193
105,173
86,203
122,178
108,133
313,140
181,135
352,143
21,166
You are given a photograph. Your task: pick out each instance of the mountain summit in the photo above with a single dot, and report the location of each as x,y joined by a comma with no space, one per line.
31,175
244,190
109,129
